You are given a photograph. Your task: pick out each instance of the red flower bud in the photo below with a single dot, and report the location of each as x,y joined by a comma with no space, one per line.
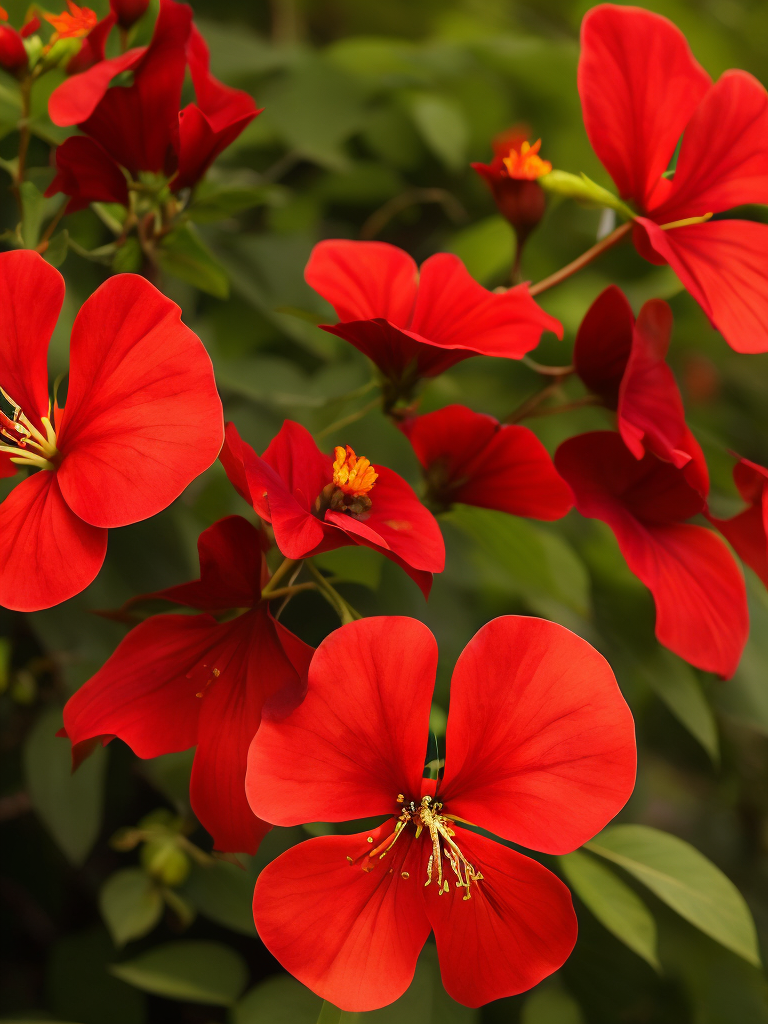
30,26
13,56
128,12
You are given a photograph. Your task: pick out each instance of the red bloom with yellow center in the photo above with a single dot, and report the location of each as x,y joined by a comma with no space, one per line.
540,751
178,681
74,23
644,95
315,504
142,419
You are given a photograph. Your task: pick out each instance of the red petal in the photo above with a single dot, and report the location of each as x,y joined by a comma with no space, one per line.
603,344
31,296
76,98
454,311
724,265
351,936
747,532
92,47
87,174
254,667
750,479
232,456
299,463
475,460
701,607
540,742
639,85
518,927
143,417
650,413
724,154
47,554
359,738
364,280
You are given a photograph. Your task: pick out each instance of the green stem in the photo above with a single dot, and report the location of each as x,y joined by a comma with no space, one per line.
330,1014
335,600
352,418
579,403
527,407
289,591
24,136
587,257
278,574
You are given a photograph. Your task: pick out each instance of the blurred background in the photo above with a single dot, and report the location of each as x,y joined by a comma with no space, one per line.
373,112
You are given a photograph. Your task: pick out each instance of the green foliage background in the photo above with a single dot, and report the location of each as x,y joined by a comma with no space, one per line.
373,111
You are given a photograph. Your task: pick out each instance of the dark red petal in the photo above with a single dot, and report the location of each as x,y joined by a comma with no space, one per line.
143,417
639,85
351,936
87,174
31,295
76,98
701,608
477,461
364,280
651,416
540,747
747,535
401,355
232,456
359,738
724,154
47,554
724,265
603,344
454,311
750,479
518,927
92,48
253,668
128,12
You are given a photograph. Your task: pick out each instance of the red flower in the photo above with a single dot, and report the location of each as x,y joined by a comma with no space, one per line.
13,56
92,48
140,127
142,420
511,177
415,324
540,751
178,681
623,362
701,605
747,532
128,12
472,458
641,90
73,23
315,504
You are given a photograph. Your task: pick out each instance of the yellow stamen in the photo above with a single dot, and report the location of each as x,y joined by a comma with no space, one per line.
687,222
25,436
526,165
352,475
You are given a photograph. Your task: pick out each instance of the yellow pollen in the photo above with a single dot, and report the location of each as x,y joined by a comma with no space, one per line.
527,165
352,475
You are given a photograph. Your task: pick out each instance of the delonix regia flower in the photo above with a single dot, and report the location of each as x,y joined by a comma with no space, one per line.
142,419
644,95
471,458
315,503
540,751
698,589
178,681
415,323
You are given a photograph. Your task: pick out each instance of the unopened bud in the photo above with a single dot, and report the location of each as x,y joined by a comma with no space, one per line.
128,12
513,179
13,56
163,860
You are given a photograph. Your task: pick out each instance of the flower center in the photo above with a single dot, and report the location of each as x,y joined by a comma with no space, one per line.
526,165
30,447
353,478
426,817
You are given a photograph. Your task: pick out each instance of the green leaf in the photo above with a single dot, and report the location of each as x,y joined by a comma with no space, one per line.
183,254
613,903
675,682
745,698
280,1000
57,250
214,204
131,904
584,190
685,880
128,256
69,804
33,211
551,1006
196,972
442,126
487,248
223,893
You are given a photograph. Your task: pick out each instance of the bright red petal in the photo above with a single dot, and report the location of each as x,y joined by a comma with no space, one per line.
518,927
540,742
87,174
76,98
31,295
603,344
143,417
351,936
253,667
47,554
92,47
701,607
364,280
299,463
454,311
724,265
651,416
747,532
639,85
359,738
724,154
471,458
